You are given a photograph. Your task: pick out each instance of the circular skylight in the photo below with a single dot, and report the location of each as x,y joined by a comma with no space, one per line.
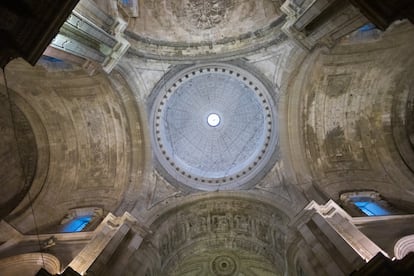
213,120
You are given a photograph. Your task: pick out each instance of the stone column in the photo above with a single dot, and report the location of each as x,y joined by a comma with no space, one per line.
108,244
337,246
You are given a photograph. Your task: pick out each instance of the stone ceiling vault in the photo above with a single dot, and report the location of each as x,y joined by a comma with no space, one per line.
323,121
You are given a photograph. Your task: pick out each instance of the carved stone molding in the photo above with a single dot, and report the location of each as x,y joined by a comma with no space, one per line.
404,246
207,14
211,226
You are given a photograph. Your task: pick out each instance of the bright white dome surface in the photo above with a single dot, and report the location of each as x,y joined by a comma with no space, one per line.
213,126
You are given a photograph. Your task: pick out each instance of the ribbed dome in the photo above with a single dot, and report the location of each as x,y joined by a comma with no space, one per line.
213,127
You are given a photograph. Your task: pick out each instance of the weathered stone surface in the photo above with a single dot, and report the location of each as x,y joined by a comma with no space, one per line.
241,233
18,153
194,20
344,123
89,139
352,100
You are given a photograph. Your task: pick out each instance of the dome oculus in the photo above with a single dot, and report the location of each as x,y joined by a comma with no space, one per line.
213,127
213,119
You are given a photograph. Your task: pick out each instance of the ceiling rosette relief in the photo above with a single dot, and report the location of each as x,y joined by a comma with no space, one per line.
193,21
203,14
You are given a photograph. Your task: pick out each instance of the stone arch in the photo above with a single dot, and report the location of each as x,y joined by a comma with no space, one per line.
29,264
91,135
233,226
404,246
347,112
39,165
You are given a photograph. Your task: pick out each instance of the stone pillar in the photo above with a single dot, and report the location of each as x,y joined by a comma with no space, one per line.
312,22
90,10
336,245
26,27
111,234
92,35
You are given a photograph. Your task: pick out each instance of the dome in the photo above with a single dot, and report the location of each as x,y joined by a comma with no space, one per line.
214,127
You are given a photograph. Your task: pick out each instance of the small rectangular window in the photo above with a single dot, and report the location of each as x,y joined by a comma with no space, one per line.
367,27
77,224
371,208
368,203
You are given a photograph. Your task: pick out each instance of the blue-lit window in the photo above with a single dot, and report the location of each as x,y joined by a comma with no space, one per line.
77,224
371,208
367,27
51,59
